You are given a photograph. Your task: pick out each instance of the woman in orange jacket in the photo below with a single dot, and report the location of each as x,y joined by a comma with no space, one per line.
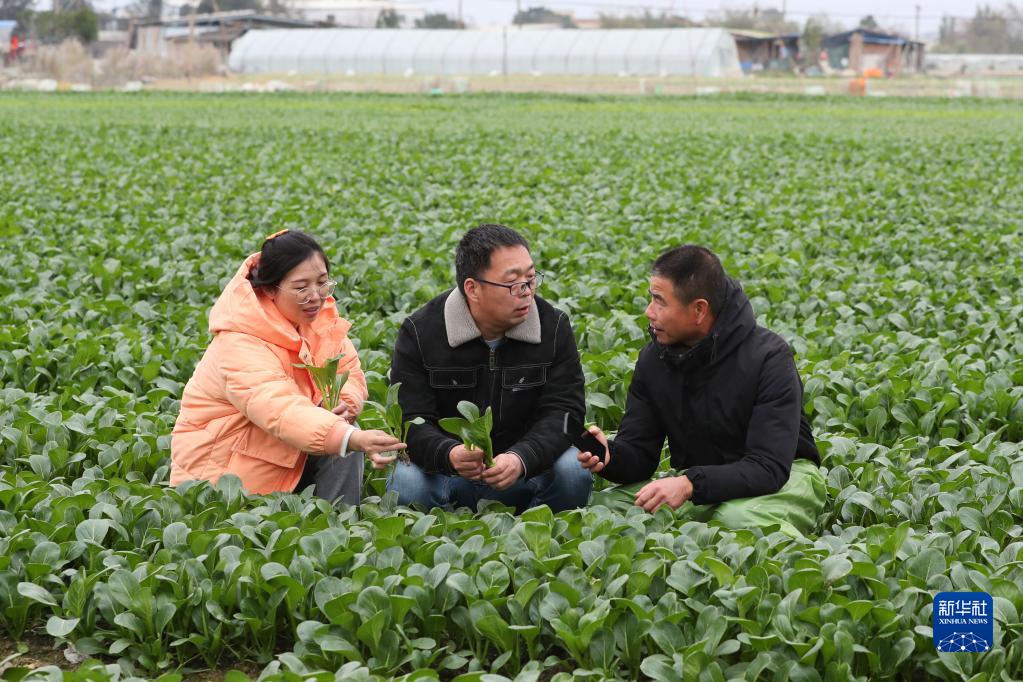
248,411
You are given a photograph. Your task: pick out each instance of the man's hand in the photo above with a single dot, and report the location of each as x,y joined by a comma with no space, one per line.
467,463
381,461
506,470
670,491
591,462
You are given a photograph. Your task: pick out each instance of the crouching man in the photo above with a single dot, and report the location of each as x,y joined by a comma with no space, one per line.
727,395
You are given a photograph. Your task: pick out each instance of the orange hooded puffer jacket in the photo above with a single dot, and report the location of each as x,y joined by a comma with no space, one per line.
246,410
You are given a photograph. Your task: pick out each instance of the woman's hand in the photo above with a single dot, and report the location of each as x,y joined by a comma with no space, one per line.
373,442
345,412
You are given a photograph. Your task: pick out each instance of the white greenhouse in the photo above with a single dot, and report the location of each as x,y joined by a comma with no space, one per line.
704,52
973,64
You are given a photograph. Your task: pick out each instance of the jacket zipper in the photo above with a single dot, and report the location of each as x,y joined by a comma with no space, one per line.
493,376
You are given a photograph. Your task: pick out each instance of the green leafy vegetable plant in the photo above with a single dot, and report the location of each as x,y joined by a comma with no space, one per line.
900,299
327,379
388,417
474,429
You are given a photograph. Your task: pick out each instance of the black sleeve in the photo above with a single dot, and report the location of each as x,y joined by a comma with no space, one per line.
770,439
636,449
428,445
564,391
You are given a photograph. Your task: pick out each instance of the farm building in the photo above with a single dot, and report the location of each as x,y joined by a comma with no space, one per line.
760,51
862,50
705,52
219,29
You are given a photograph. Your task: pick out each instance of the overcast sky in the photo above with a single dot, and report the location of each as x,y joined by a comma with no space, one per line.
889,13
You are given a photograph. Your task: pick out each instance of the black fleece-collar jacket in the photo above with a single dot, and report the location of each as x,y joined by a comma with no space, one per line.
731,407
530,381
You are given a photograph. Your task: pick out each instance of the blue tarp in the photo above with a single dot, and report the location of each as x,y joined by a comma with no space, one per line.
869,38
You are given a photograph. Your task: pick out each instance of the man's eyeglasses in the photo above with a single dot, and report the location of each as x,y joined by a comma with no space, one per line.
305,294
518,288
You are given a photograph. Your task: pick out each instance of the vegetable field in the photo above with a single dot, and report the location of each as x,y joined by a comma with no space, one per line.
883,239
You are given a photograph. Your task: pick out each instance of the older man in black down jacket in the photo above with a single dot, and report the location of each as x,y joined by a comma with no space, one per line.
726,394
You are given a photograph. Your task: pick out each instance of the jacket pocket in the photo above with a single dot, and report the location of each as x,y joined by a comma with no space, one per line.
522,378
259,445
452,378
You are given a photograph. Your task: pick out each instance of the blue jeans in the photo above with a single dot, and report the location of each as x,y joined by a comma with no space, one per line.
566,485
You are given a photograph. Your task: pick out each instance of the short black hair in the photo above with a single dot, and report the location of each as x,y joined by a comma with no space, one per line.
279,256
694,272
473,253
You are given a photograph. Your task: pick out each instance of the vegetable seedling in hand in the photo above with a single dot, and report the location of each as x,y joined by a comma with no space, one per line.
327,380
474,429
388,417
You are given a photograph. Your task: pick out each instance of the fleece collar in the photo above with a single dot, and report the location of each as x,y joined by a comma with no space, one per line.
461,328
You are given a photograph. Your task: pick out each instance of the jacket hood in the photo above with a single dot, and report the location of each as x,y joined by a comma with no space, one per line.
734,323
241,308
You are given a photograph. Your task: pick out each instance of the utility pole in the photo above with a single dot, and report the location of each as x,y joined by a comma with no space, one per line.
916,33
460,23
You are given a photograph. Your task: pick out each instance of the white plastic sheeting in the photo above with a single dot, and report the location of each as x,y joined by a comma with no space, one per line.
705,52
973,64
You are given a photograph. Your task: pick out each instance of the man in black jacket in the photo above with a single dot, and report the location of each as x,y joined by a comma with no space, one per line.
727,395
490,341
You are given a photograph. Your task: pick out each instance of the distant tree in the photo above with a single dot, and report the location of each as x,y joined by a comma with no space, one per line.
645,20
774,21
389,18
947,36
768,20
11,10
734,18
990,29
813,39
868,22
147,9
995,31
60,6
277,8
831,26
211,6
56,27
542,15
438,20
